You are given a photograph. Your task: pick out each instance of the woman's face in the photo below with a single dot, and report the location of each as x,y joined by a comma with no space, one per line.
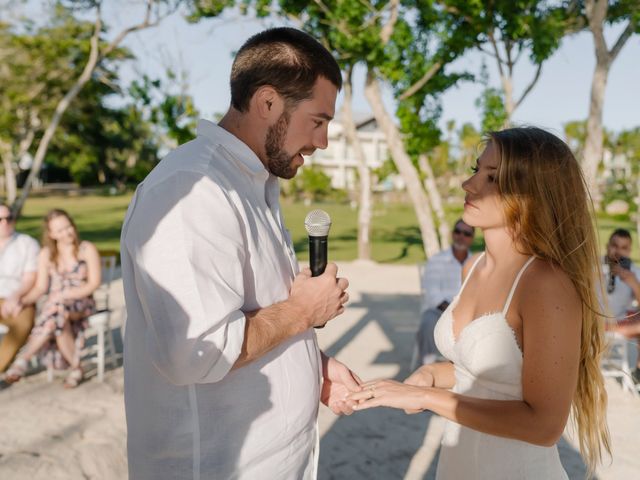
483,206
61,230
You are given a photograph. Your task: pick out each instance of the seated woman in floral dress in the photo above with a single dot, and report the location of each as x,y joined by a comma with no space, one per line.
68,273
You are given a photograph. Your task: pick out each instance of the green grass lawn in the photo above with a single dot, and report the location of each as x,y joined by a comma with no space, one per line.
395,235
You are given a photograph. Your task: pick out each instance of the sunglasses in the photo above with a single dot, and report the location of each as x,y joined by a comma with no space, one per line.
6,219
466,233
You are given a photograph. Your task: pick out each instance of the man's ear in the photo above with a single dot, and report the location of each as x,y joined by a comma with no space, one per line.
267,103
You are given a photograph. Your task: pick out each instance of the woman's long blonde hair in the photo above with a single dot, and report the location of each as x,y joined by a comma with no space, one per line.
549,211
49,242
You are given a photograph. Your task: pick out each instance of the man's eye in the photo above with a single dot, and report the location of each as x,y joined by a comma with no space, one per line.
318,123
475,169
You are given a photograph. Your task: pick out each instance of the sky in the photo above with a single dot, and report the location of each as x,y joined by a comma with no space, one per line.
204,53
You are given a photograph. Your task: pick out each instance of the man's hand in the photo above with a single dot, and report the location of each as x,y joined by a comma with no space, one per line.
626,276
11,307
338,382
319,299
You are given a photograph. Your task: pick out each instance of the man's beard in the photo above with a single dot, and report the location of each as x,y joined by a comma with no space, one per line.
278,160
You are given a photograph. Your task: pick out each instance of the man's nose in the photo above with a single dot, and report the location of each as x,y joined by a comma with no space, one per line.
321,139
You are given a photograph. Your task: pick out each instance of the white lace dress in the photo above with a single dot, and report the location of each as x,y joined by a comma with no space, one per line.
488,364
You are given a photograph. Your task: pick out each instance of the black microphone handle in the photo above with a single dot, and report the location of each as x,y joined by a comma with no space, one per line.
317,255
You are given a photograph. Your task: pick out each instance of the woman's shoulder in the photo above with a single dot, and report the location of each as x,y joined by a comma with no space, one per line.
544,281
86,248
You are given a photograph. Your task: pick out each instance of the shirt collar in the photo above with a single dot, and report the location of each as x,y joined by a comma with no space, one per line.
240,150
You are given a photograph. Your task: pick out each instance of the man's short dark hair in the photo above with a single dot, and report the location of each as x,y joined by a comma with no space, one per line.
287,59
622,233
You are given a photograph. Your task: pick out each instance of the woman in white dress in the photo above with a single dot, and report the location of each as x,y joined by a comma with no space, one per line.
524,336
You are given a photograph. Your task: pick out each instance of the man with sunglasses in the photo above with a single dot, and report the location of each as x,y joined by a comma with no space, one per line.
18,266
441,281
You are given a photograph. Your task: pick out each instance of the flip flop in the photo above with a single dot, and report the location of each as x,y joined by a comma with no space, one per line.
74,378
16,371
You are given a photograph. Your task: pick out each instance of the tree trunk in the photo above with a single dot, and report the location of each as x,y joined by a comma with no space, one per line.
436,201
509,106
365,203
404,164
593,149
10,183
596,13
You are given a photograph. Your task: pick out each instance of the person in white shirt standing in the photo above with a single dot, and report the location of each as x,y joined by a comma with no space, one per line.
18,267
223,373
441,281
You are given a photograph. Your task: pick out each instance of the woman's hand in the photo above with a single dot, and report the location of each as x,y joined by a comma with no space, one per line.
389,393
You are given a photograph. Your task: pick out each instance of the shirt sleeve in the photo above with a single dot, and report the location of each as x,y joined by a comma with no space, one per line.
185,242
432,284
31,255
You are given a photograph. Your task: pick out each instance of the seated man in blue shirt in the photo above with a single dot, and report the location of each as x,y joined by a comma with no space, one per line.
441,281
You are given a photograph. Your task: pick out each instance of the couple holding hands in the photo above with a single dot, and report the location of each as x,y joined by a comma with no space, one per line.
222,368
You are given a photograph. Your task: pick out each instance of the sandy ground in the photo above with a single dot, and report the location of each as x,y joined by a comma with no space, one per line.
47,432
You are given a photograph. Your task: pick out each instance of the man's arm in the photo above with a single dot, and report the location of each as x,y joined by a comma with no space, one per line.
312,302
431,285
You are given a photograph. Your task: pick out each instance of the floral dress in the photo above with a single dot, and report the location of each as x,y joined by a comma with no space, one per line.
53,313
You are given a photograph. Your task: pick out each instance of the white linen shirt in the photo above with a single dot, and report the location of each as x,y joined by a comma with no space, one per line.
441,279
204,242
17,257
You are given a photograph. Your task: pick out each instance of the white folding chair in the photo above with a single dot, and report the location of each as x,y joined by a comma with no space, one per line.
100,322
615,363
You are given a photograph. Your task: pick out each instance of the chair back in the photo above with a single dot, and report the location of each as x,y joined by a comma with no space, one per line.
108,261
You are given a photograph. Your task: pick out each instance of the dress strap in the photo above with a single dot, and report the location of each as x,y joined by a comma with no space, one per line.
515,285
473,267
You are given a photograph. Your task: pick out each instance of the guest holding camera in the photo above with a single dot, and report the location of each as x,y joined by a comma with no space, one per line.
623,287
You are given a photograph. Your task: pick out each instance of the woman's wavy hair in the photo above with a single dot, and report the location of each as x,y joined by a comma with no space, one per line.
549,210
47,241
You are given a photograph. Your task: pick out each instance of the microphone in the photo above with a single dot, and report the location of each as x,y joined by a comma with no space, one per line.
317,223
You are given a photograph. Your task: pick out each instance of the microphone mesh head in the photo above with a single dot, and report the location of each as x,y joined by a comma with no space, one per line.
317,223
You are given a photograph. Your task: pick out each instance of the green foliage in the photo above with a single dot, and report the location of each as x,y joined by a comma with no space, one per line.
311,183
491,104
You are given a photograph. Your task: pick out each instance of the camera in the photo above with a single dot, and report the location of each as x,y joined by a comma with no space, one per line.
625,262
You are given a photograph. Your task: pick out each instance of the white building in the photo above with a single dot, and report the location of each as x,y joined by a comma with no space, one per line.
339,161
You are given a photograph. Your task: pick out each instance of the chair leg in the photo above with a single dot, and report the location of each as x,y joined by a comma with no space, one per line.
100,341
113,360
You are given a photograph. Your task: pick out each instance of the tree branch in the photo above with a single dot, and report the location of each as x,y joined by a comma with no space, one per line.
422,82
494,44
530,87
622,39
387,29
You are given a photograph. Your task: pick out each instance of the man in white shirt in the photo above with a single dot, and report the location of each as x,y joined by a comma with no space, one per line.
18,267
222,369
622,278
441,281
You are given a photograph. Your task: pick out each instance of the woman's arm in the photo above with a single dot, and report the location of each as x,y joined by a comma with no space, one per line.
551,313
90,255
42,280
